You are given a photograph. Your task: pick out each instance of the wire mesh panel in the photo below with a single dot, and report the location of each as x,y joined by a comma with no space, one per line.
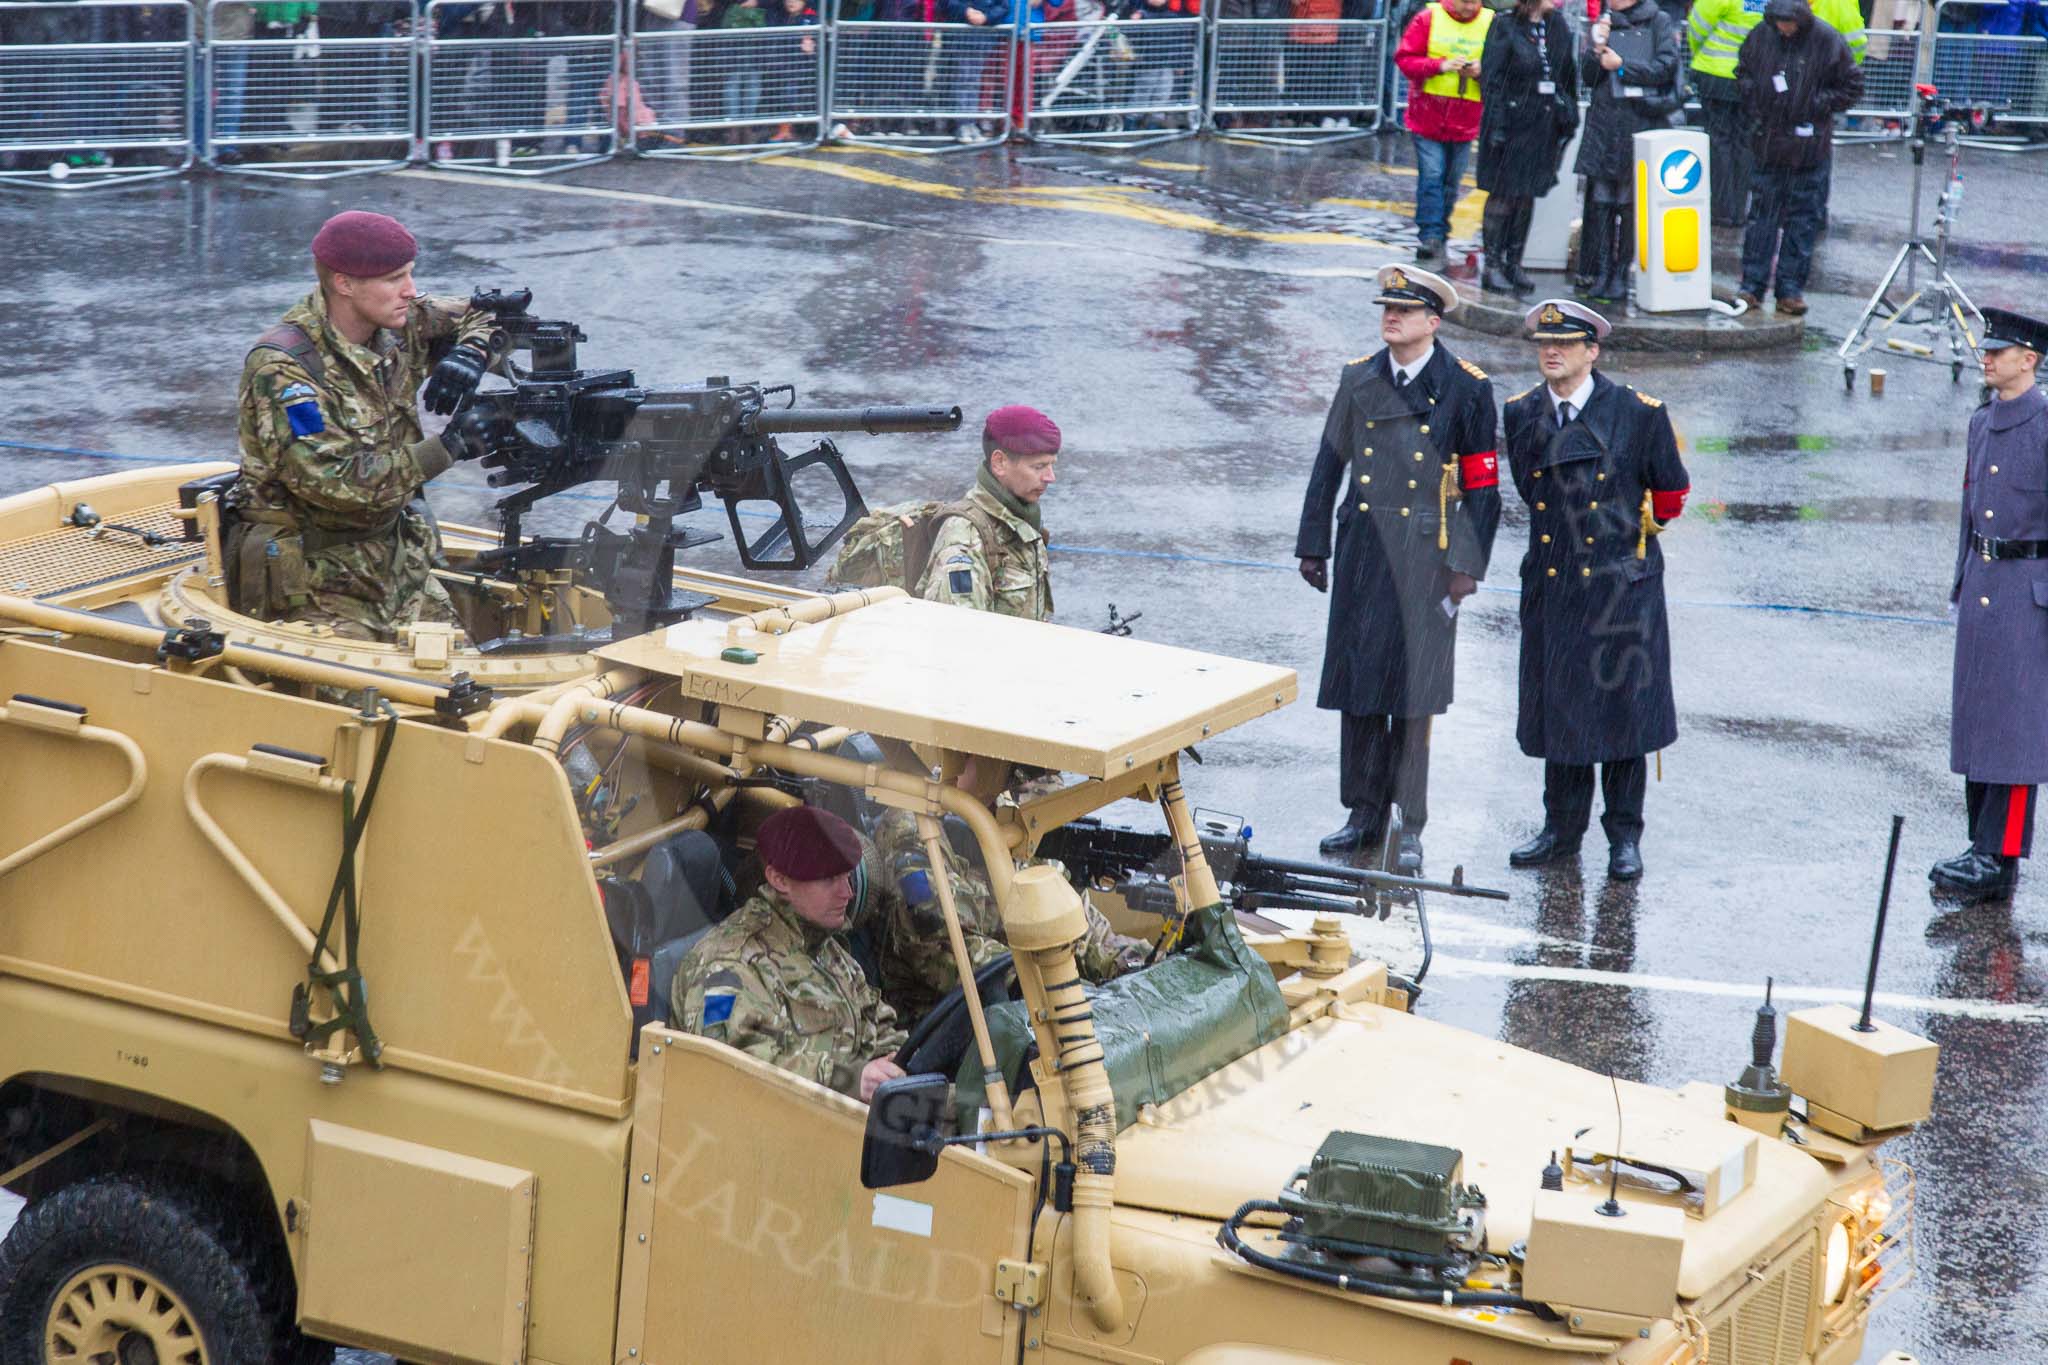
930,87
332,92
1890,60
2006,74
94,92
1296,80
728,91
527,89
1116,82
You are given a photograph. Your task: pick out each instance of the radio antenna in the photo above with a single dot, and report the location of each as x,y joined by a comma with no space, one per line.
1884,900
1612,1208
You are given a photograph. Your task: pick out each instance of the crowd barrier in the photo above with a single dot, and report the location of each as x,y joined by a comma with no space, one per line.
106,91
502,97
726,92
1296,81
929,87
84,80
314,98
1114,82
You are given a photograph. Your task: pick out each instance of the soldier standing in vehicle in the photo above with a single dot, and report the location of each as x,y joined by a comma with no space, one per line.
990,554
333,528
775,978
1998,727
1407,456
1598,465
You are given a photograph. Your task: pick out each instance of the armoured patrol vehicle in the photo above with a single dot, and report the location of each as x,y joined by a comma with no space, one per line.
330,1012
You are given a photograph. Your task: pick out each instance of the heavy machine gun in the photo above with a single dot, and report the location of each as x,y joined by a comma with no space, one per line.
559,426
1140,866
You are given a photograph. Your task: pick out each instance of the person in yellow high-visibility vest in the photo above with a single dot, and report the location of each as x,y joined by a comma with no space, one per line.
1715,30
1439,54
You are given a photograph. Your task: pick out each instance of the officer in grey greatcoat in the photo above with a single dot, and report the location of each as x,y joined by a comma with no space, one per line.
1597,463
1998,728
1407,457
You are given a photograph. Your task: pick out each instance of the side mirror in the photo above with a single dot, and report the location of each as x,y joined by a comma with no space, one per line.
904,1134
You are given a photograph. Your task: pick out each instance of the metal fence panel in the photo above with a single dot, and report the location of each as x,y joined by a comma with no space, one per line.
728,92
527,93
1117,82
340,90
921,84
1891,59
2008,73
1294,79
95,92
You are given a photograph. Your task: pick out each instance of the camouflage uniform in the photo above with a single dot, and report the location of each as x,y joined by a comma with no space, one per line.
777,987
917,956
331,470
989,559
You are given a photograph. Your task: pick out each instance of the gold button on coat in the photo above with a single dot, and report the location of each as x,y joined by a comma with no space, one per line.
1994,469
1404,511
1537,475
1411,483
1601,477
1418,457
1365,478
1368,452
1425,428
1368,426
1546,540
1983,601
1596,506
1585,573
1550,573
1365,507
1542,506
1987,514
1589,540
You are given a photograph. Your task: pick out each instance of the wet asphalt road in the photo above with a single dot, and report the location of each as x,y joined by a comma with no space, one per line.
1183,313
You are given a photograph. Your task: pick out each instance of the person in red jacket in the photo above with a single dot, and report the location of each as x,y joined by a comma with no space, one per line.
1439,54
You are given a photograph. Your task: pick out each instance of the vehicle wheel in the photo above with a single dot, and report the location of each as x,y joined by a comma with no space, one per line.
111,1270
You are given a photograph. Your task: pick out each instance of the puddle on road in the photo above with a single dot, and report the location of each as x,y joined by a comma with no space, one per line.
1868,511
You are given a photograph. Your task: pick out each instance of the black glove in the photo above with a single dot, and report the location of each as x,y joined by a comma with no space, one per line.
456,377
1316,573
471,436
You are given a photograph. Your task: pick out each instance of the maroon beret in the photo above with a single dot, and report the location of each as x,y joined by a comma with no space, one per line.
1018,430
363,244
807,844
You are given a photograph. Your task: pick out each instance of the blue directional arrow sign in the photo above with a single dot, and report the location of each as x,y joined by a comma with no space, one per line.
1679,172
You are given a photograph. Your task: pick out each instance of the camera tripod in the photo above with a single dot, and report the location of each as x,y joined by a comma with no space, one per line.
1939,308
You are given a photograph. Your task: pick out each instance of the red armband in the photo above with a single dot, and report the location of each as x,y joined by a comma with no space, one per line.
1665,505
1478,471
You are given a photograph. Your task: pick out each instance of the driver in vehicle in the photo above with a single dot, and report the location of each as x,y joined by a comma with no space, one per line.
775,979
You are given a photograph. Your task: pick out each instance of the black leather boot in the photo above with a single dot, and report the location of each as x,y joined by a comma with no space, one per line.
1519,242
1494,241
1547,847
1952,867
1978,877
1613,285
1359,832
1595,233
1624,860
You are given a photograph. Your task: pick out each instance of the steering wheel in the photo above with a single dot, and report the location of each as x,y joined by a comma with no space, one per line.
941,1037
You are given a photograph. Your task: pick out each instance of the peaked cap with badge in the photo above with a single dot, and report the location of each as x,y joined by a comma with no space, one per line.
1406,478
2003,328
1565,320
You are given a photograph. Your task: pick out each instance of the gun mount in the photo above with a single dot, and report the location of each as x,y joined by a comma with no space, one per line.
559,426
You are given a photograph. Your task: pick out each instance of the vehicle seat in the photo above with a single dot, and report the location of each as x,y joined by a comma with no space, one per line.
683,890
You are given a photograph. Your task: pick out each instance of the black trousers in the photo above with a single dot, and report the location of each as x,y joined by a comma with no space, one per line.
2001,818
1568,797
1384,759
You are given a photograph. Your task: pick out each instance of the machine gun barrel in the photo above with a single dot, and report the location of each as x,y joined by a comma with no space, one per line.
875,421
1259,872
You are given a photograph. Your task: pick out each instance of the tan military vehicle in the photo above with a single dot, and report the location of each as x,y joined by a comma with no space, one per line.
320,970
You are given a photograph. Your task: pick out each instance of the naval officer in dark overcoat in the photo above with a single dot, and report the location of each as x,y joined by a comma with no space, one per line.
1998,726
1407,457
1598,465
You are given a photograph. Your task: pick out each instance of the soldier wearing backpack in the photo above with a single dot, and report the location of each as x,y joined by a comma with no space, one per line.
986,551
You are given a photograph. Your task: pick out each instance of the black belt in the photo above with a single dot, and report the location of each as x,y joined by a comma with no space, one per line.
2008,549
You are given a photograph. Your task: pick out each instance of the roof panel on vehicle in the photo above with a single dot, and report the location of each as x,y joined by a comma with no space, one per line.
1049,695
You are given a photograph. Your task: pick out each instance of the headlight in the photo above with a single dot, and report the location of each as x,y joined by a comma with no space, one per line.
1837,1271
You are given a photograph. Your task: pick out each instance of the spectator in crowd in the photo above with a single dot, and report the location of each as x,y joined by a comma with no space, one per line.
230,26
664,64
974,50
793,66
1529,97
366,88
1795,76
1248,59
1439,54
1313,60
1846,18
1162,58
1716,29
743,69
1631,65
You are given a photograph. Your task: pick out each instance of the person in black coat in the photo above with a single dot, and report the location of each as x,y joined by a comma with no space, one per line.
1408,456
1598,465
1529,91
1795,75
1631,68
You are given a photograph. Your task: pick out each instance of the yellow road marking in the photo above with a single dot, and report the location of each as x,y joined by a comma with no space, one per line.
1465,218
1075,199
1173,165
